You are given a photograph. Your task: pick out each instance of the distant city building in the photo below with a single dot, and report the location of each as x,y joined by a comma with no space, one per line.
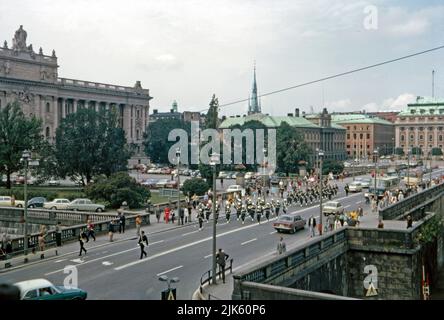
174,113
32,79
390,116
421,124
253,102
366,133
333,137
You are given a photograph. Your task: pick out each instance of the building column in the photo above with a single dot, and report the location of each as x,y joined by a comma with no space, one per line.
56,114
63,107
74,105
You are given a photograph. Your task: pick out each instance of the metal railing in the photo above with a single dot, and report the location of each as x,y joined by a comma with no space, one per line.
396,210
206,277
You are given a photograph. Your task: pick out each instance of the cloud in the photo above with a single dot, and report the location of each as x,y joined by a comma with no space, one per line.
415,26
391,104
339,105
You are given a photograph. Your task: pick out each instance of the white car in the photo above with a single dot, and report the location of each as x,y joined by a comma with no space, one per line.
249,175
6,201
54,182
236,188
57,204
355,186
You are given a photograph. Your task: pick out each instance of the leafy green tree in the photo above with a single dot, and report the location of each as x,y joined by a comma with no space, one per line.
399,151
330,165
290,148
156,138
211,122
17,133
195,186
90,143
436,152
117,188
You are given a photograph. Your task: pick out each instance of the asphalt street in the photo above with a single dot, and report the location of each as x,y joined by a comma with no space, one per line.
115,271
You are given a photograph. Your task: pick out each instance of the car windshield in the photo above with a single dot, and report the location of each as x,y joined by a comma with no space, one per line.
331,204
285,218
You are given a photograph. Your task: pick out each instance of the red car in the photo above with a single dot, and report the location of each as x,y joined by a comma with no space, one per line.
290,223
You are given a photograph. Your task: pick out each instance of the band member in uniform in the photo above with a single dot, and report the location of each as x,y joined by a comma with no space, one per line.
267,211
228,211
243,213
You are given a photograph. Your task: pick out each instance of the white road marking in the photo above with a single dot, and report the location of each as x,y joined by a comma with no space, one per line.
248,241
190,233
79,260
346,207
210,255
358,202
106,251
57,261
93,260
155,242
273,232
159,274
107,263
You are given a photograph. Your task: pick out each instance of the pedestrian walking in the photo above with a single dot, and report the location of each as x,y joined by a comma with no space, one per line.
347,189
312,226
331,222
82,239
201,219
90,231
58,233
138,224
181,216
409,222
157,214
281,246
143,238
380,224
41,241
221,258
122,220
111,230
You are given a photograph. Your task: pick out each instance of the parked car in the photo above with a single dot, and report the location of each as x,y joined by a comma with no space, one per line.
85,205
150,183
233,175
166,171
249,175
42,289
290,223
57,204
6,201
36,202
223,175
54,182
236,188
172,184
365,182
332,207
161,183
355,186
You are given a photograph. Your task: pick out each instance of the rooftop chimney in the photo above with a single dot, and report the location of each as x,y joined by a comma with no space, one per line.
296,112
290,114
155,111
303,114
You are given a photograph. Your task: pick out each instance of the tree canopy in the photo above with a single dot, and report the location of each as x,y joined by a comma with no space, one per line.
17,133
90,143
290,148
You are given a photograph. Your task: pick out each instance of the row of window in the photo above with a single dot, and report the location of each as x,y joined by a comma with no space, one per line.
421,128
422,111
360,128
421,146
412,119
361,136
421,137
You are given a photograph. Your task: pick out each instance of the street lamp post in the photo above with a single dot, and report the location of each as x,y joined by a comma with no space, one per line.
213,162
178,184
26,155
320,155
263,173
375,154
169,281
408,168
430,173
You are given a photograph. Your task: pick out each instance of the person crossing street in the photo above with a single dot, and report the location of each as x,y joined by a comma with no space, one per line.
143,238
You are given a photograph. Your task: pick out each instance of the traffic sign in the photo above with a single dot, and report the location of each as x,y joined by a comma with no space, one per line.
371,291
169,294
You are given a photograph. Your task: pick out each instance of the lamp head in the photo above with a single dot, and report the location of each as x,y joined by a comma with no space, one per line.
163,278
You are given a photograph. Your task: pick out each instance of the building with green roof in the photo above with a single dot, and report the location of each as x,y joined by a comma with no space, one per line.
365,134
420,125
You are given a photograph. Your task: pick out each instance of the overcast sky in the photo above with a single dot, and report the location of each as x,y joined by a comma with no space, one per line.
187,50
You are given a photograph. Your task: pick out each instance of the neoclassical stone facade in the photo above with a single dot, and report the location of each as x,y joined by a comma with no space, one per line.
32,79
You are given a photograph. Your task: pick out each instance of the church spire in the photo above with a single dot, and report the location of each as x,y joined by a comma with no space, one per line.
253,105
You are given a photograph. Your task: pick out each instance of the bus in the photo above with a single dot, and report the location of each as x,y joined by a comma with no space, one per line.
383,184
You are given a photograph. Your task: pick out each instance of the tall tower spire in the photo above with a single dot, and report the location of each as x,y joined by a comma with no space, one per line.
253,105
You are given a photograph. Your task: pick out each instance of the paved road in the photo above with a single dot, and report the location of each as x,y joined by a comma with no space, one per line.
114,271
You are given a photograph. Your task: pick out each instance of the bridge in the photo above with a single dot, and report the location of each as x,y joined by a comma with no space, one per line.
332,266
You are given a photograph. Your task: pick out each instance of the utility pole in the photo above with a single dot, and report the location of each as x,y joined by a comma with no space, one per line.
213,163
26,156
178,184
408,168
320,155
375,153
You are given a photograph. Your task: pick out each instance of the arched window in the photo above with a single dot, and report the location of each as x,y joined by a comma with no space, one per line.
137,134
48,132
48,107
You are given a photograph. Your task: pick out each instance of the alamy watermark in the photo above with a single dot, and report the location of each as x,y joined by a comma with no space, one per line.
371,19
204,143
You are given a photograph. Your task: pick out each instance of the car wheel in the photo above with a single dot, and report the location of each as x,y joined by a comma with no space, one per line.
31,206
99,210
54,208
293,230
19,206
